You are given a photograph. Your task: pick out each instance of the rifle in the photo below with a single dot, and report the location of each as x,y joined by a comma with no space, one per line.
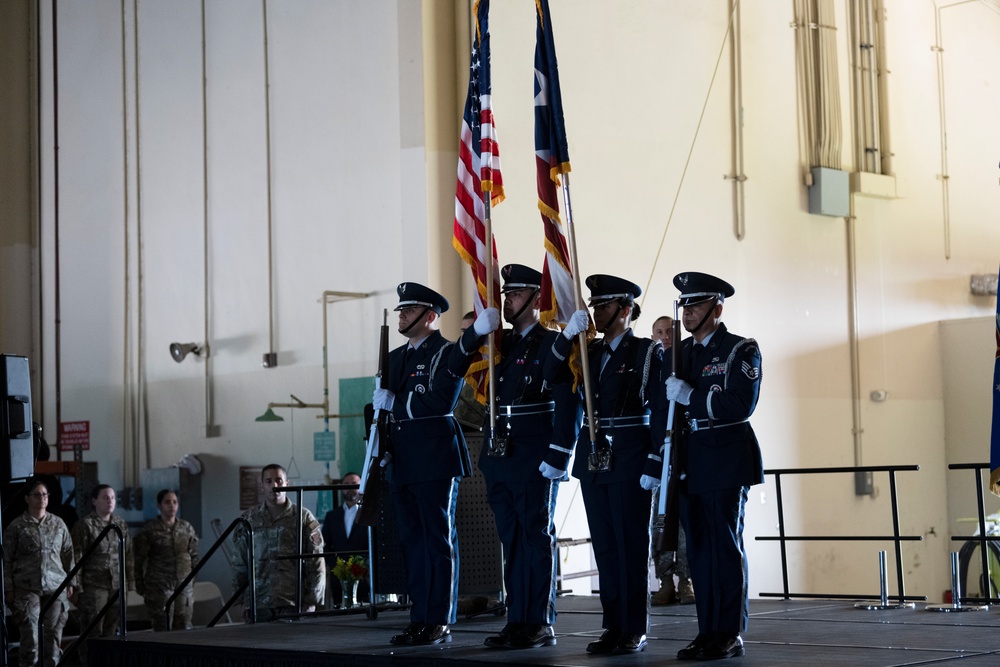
370,489
668,510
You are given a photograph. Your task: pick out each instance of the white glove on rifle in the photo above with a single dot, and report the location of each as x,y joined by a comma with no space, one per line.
550,471
487,321
578,323
383,399
679,390
649,482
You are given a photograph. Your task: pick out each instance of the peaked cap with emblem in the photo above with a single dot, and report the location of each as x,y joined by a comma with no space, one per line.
697,287
415,294
604,288
519,276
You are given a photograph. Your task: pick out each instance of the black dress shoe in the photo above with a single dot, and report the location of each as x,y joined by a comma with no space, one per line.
693,650
725,646
407,635
533,636
501,640
606,644
631,643
431,634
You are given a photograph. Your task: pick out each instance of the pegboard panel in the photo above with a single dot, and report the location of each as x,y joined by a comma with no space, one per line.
481,563
480,553
390,572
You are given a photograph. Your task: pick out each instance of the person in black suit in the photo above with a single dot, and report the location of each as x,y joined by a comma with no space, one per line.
533,437
718,385
616,472
428,455
342,538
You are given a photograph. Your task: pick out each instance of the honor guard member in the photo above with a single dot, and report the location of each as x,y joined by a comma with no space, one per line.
615,471
428,455
717,385
532,420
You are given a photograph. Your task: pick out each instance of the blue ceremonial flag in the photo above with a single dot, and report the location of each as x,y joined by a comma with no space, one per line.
995,432
551,160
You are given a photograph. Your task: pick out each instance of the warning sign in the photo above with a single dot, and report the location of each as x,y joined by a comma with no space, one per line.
72,434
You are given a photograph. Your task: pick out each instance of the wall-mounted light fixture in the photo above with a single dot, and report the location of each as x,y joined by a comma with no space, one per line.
180,350
270,416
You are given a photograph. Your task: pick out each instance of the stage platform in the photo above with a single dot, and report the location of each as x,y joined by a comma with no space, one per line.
818,633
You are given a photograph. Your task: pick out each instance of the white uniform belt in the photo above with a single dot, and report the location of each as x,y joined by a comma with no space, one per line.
708,424
619,422
521,410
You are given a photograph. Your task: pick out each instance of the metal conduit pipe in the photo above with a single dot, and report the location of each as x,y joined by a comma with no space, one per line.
736,115
211,430
883,89
874,151
141,424
270,242
863,480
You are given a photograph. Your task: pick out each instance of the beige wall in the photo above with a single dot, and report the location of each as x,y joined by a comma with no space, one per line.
362,173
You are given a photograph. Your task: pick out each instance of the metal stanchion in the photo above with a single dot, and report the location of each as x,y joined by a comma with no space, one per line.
884,602
956,593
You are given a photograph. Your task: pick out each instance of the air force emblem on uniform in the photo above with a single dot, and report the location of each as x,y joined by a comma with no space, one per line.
750,370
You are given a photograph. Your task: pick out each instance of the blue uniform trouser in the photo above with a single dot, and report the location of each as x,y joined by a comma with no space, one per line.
619,517
713,522
523,512
425,513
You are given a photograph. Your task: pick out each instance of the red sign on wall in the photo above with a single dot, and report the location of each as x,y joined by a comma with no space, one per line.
72,434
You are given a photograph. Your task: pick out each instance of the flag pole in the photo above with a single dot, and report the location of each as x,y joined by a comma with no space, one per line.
578,302
491,341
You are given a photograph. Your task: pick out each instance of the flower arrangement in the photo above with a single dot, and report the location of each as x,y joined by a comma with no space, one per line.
351,569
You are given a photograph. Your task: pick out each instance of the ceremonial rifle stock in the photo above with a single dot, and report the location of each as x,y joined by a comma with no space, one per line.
668,511
378,440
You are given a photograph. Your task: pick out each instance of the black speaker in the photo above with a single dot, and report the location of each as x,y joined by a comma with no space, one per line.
17,444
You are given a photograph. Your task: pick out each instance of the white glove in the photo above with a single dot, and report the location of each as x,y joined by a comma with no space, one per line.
678,390
487,321
649,482
578,323
383,399
550,472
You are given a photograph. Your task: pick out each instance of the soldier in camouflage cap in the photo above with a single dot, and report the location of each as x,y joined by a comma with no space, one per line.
38,552
165,553
274,534
99,576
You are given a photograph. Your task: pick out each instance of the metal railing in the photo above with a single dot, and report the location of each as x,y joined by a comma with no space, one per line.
983,539
118,596
895,538
300,557
251,575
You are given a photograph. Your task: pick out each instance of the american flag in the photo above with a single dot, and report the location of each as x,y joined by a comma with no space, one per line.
478,172
551,160
995,431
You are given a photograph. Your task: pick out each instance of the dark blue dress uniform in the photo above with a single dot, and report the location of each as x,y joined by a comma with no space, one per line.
429,457
721,459
534,418
628,399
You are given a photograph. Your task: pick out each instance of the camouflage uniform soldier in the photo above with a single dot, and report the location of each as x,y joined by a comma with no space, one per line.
38,554
165,553
99,576
274,534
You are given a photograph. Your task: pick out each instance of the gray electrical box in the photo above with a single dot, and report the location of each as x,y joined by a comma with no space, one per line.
187,487
830,192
